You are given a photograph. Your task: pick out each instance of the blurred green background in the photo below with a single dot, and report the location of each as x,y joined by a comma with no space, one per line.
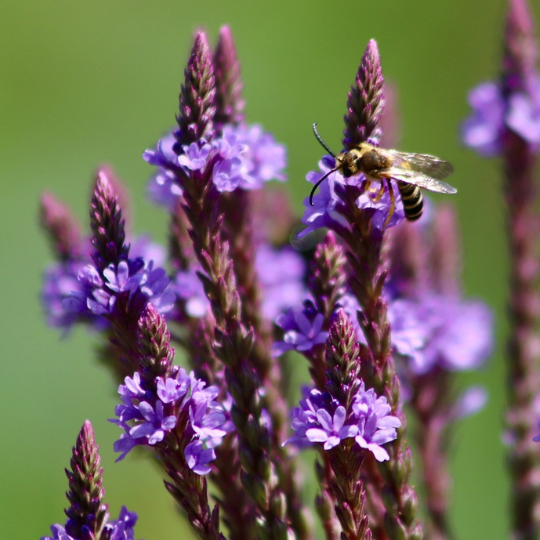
84,83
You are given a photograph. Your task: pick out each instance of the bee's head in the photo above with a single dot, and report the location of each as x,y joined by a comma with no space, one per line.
350,162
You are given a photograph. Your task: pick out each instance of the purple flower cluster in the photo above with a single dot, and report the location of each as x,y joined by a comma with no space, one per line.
146,417
303,330
441,331
436,331
493,113
242,157
75,290
325,211
322,419
118,529
60,284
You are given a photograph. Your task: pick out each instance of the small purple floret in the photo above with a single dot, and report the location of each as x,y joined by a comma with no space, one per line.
118,529
493,114
198,457
302,330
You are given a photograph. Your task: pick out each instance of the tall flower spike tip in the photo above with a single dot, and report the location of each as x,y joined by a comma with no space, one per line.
87,514
107,224
87,517
197,96
229,85
61,226
521,55
365,102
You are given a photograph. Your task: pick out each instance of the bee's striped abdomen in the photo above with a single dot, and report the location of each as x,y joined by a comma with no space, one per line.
411,196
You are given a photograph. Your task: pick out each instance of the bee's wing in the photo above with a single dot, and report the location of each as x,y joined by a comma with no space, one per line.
417,178
429,165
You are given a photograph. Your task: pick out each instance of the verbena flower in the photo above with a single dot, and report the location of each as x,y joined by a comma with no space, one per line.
242,157
134,279
60,284
495,111
148,416
442,331
460,334
117,529
303,330
75,291
537,438
322,419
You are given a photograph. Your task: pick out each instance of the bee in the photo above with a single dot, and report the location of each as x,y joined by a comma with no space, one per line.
410,171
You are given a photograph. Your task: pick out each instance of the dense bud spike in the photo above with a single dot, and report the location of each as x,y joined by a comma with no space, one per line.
229,85
157,355
365,102
87,514
521,46
197,96
342,359
61,227
107,224
328,278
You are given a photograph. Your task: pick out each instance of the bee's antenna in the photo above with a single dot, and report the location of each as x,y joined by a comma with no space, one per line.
319,182
323,144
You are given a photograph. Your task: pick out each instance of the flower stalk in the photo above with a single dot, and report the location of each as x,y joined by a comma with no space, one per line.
521,192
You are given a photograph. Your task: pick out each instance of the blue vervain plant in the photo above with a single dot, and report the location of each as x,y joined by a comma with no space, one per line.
377,312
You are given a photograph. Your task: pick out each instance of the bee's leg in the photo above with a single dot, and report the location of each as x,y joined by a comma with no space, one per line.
392,208
366,185
380,193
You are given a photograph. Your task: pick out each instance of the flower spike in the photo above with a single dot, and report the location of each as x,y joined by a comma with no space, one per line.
197,96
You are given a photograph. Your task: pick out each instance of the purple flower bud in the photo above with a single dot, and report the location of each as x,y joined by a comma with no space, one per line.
61,226
197,96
